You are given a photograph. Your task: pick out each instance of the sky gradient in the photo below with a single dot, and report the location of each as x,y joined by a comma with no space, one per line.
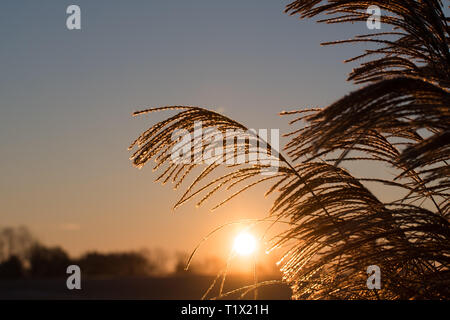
67,98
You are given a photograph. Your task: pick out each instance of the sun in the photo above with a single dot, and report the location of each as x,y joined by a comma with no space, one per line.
244,244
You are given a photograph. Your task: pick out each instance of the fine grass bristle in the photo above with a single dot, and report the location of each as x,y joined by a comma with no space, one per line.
335,226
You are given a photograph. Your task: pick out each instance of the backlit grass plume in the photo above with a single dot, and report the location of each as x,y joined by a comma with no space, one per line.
337,227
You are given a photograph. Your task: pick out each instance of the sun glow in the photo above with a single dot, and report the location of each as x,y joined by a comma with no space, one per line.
244,244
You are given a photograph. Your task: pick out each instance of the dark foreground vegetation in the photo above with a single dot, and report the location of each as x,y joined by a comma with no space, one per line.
189,286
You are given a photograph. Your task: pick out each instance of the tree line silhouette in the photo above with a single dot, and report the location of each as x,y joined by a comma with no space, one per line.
22,255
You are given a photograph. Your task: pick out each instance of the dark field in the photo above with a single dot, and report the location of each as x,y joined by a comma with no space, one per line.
171,287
